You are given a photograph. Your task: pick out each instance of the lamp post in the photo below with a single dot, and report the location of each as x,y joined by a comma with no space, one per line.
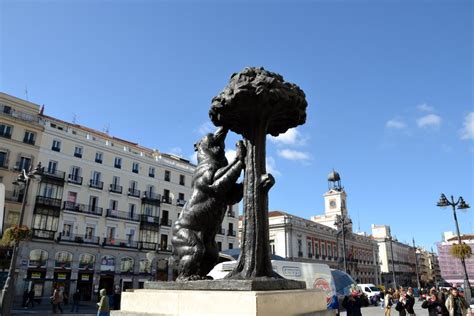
416,266
461,205
393,263
342,221
8,289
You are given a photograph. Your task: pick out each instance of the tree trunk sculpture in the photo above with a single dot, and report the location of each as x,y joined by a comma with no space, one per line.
255,103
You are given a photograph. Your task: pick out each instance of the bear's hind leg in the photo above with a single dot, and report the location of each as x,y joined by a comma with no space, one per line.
190,250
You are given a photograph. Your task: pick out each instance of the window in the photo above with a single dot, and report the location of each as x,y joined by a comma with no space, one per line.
219,245
52,166
151,172
316,248
3,159
24,163
90,232
272,246
118,162
166,196
78,152
133,185
56,145
182,179
323,248
113,205
131,210
5,131
45,222
67,230
95,181
135,167
167,175
110,233
231,245
75,175
98,157
164,242
300,248
329,252
309,249
29,138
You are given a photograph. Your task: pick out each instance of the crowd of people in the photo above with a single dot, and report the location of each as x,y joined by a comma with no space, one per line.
437,303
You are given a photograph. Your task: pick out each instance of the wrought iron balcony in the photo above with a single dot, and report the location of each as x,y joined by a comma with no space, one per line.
96,184
230,213
133,192
166,222
29,141
231,232
221,231
115,188
149,219
122,215
80,239
180,202
74,179
54,174
43,234
151,198
166,248
147,245
48,202
112,242
82,208
166,199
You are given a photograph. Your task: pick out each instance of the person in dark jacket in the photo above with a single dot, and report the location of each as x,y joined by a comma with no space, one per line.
405,304
353,303
31,298
434,305
76,297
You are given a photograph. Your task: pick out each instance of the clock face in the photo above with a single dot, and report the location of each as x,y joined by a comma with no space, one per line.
332,204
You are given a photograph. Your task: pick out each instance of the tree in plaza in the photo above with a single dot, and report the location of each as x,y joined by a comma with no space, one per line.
257,102
461,251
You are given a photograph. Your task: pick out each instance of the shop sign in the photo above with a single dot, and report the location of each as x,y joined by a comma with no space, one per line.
36,275
62,276
85,277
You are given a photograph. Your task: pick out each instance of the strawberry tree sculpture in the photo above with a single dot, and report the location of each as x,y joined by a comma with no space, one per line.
257,102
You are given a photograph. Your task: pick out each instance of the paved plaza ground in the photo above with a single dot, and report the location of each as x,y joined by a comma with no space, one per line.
377,310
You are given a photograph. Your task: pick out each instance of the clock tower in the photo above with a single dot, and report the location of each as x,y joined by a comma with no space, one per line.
334,202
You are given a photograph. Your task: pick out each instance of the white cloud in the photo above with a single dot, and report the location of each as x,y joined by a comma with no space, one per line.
467,131
230,155
271,166
291,137
429,120
293,154
395,124
425,107
206,128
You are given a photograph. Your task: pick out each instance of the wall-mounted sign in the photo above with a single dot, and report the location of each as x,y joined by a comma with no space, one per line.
85,277
36,275
62,276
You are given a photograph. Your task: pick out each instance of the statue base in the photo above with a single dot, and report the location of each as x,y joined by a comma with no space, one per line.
147,302
257,284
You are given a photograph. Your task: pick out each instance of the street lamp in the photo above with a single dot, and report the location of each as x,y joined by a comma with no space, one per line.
416,266
444,202
342,221
393,263
25,178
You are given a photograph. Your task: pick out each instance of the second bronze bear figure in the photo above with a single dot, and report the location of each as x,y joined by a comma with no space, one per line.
215,187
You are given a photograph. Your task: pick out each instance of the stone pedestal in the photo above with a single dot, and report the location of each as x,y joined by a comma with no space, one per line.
148,302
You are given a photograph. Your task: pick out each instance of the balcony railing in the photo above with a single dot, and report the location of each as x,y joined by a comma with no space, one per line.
116,188
74,179
147,245
166,248
43,234
55,174
120,243
133,192
180,202
29,141
48,202
231,232
231,214
96,184
8,111
122,215
149,219
80,239
166,199
82,208
166,222
221,231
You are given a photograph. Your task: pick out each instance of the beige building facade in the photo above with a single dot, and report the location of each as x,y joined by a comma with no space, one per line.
101,216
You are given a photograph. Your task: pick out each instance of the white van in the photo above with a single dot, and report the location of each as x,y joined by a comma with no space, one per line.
317,276
369,289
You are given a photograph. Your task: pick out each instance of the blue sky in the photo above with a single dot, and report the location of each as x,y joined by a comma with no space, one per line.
389,86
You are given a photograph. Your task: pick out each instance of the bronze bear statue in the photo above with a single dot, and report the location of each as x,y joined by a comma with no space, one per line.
214,187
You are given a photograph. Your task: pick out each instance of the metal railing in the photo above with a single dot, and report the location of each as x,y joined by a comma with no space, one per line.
116,188
166,222
133,192
52,173
231,232
82,208
122,215
166,199
43,234
96,184
166,248
74,179
180,202
149,219
80,239
147,245
48,201
120,243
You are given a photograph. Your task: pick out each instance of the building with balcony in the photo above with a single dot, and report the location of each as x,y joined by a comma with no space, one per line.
307,240
402,262
102,214
450,267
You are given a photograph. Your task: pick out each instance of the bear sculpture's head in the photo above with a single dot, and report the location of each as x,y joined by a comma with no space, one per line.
211,148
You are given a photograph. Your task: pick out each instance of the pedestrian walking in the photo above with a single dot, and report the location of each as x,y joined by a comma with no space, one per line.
76,297
56,300
456,304
103,305
434,305
31,299
117,298
410,302
353,303
25,299
388,302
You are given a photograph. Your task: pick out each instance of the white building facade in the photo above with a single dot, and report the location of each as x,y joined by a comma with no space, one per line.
101,216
